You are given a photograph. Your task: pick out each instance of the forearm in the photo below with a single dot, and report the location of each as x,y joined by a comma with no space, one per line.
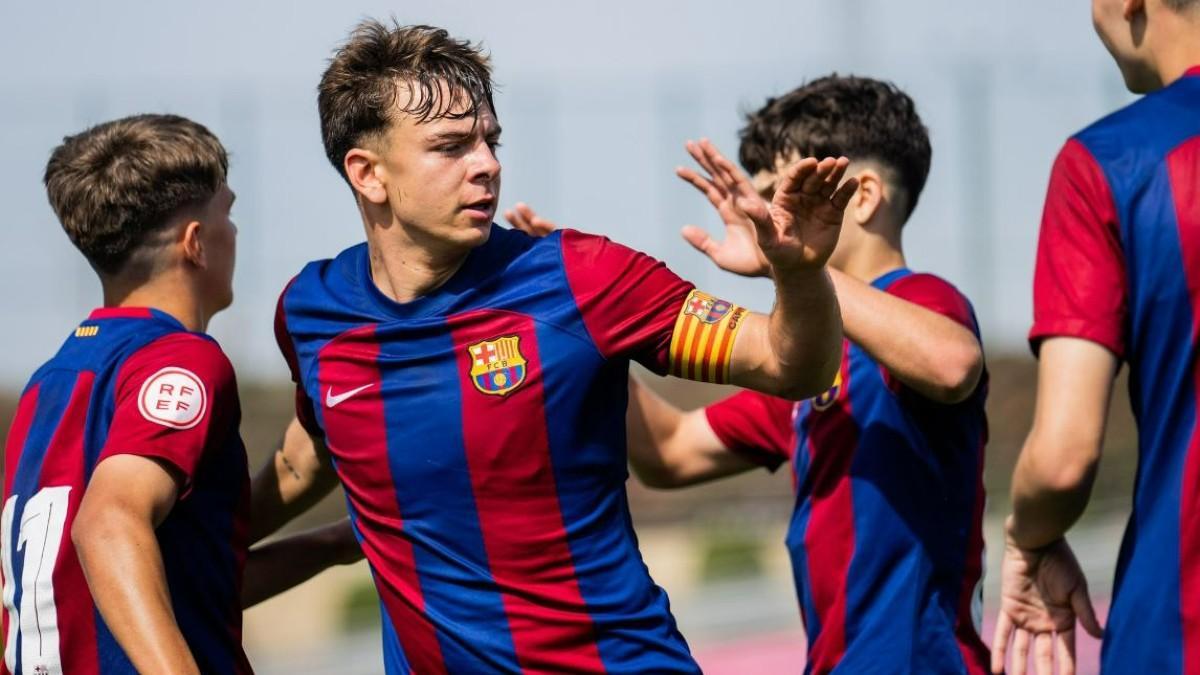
931,353
804,333
281,565
297,476
124,569
1048,495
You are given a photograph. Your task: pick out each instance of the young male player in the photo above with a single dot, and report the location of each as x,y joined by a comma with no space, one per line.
885,538
470,380
124,469
1117,279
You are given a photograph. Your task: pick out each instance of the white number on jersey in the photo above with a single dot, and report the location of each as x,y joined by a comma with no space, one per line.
39,537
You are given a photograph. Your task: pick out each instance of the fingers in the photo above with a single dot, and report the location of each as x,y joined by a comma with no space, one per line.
1000,637
1043,653
1082,605
517,220
1020,652
698,151
702,184
699,239
1065,649
522,217
841,198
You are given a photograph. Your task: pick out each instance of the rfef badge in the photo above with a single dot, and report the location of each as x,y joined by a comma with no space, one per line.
497,366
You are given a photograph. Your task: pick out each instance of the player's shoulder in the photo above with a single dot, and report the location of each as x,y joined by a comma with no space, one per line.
1141,133
184,353
599,253
936,293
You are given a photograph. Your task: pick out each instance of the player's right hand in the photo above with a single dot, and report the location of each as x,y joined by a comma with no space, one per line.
1042,593
738,252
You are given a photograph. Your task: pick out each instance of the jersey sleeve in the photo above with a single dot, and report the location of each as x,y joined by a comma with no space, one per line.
936,294
304,405
174,399
633,306
755,426
1080,287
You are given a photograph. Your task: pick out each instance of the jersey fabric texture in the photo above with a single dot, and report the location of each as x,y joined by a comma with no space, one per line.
128,381
886,536
1119,264
479,432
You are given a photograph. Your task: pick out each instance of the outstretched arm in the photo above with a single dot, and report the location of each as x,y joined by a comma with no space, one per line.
277,566
298,475
933,354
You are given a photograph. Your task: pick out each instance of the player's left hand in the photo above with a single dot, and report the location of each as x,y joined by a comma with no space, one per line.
798,229
525,219
1042,593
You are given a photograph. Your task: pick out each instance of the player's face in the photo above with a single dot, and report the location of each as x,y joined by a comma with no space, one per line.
1123,37
219,236
443,178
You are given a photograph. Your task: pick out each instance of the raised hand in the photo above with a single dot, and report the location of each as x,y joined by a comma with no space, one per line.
526,220
738,252
1042,593
799,228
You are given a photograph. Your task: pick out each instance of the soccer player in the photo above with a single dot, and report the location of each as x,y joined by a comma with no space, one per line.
886,540
1117,279
124,470
469,380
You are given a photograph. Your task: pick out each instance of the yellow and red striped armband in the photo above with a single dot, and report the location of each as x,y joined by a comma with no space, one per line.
702,344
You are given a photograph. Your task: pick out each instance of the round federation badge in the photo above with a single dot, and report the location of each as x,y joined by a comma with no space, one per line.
173,397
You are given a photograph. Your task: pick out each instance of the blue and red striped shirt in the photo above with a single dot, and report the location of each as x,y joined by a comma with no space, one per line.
1119,264
129,381
886,537
479,432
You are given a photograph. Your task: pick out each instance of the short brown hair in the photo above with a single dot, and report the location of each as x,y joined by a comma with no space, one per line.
858,117
117,182
362,83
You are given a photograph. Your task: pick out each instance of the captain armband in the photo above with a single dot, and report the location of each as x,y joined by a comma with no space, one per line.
702,344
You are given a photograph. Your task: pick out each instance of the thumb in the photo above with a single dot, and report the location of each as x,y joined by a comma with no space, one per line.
699,239
1082,605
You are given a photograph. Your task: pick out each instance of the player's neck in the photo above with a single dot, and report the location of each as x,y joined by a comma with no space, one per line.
872,257
171,296
405,272
1176,57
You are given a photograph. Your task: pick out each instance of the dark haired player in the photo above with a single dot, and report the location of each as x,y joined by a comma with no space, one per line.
470,380
1117,279
886,539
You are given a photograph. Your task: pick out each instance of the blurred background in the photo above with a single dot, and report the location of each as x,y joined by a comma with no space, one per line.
596,100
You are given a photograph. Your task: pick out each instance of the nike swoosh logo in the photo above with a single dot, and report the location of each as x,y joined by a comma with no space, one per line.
331,400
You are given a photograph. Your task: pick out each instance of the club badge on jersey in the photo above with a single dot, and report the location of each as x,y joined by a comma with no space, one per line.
497,366
702,343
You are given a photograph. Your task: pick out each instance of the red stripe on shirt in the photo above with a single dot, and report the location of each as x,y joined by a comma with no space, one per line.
63,465
975,653
17,434
829,537
1185,188
358,439
508,456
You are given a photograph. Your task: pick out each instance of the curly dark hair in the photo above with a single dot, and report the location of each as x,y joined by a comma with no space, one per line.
115,184
858,117
359,90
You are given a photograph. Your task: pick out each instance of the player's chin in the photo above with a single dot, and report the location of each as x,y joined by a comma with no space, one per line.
474,229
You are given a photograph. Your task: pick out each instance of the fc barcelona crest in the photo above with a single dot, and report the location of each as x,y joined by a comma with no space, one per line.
705,307
497,366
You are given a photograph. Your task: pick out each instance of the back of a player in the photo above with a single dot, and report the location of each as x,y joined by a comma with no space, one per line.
1125,194
62,429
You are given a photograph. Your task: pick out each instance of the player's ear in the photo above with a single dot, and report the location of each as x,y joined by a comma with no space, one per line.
193,245
867,201
1131,8
364,170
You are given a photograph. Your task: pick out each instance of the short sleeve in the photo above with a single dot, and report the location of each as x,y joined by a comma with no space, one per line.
756,426
304,405
935,294
1080,287
175,398
629,301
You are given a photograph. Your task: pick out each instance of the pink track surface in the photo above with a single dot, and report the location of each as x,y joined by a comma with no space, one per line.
783,652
